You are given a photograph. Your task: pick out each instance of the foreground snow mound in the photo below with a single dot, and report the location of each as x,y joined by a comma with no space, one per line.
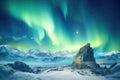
115,75
53,73
56,75
24,76
5,72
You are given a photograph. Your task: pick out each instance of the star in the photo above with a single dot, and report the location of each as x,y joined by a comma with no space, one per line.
77,32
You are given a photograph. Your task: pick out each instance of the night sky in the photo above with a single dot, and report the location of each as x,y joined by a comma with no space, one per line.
60,24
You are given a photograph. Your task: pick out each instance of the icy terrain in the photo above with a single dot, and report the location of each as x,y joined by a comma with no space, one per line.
21,65
55,73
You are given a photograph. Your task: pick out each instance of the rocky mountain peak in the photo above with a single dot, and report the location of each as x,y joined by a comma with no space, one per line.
85,58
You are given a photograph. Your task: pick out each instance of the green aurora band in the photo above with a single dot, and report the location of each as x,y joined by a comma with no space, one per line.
46,22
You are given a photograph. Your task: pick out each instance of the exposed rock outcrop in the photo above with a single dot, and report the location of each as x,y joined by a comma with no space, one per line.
85,58
20,66
114,68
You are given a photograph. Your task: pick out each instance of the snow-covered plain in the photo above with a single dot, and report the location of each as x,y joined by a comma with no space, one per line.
53,73
57,75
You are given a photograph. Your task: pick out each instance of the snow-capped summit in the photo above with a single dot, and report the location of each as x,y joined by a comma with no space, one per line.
39,53
114,55
4,48
9,49
111,53
107,53
9,53
65,53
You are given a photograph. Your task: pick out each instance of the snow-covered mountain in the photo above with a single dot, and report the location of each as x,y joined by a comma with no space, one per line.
8,53
109,58
114,55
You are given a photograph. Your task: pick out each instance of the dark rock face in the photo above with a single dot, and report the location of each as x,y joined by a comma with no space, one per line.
21,67
85,58
114,68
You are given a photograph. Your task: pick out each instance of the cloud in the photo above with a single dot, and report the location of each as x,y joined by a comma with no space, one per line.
19,38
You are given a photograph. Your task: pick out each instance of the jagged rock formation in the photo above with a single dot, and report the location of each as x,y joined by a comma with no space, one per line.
85,58
114,68
21,67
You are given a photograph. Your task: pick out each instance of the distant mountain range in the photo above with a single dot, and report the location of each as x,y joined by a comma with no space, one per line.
110,56
8,53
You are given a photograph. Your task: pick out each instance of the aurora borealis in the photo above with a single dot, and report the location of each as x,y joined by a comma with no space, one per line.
60,24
